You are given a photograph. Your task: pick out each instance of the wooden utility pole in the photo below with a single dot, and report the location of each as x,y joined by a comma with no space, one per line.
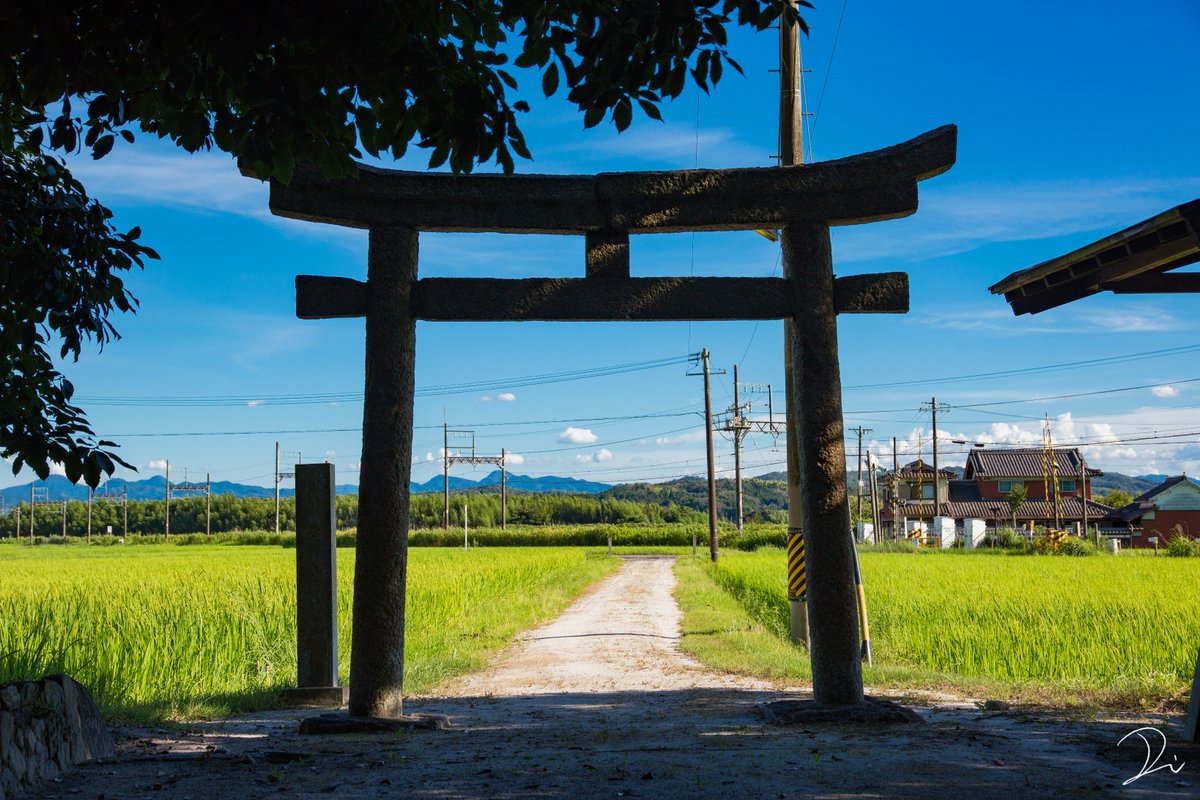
791,151
873,482
737,447
860,430
937,477
167,505
1083,496
895,492
445,475
125,510
712,471
89,516
277,488
503,489
31,515
208,504
64,527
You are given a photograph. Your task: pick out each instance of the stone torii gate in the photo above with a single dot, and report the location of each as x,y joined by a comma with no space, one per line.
803,201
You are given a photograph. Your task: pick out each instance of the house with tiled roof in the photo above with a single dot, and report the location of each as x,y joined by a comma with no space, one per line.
1168,510
982,492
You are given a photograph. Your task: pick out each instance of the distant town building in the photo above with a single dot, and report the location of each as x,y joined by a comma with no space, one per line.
1170,509
982,492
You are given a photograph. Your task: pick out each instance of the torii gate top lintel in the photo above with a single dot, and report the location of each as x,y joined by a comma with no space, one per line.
868,187
606,209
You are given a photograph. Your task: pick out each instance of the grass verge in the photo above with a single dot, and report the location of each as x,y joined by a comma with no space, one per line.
1066,633
161,632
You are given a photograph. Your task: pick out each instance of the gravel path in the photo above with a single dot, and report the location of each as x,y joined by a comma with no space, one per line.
621,637
600,704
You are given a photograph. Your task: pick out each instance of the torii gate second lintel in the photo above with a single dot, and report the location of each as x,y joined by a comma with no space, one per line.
803,201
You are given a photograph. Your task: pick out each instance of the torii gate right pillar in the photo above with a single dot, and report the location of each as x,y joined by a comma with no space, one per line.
815,412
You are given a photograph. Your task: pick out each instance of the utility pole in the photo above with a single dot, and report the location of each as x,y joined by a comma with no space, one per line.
739,426
708,440
446,474
277,488
503,489
937,477
208,504
64,528
860,430
895,491
473,459
1083,494
791,151
31,517
873,483
89,516
737,448
167,504
125,510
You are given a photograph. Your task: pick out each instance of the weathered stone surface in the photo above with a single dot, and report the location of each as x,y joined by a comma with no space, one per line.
603,299
87,726
46,727
863,188
871,710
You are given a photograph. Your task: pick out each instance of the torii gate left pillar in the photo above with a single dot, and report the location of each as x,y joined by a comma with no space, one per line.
802,200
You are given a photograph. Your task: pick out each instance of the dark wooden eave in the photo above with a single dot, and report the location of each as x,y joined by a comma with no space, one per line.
1137,260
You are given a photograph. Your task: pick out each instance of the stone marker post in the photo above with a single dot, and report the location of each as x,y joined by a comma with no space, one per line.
316,588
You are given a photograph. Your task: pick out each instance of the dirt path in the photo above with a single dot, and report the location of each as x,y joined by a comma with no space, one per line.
600,703
622,637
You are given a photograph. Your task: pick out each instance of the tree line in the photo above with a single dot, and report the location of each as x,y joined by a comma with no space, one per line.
228,513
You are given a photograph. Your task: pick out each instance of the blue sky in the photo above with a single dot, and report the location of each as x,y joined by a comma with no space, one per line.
1075,120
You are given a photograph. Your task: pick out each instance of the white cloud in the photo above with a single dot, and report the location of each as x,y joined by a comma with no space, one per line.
683,438
577,436
330,454
1164,391
58,469
598,457
506,397
204,182
254,403
485,399
428,457
513,459
158,463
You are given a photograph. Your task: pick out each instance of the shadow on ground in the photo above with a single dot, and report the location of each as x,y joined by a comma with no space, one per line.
673,744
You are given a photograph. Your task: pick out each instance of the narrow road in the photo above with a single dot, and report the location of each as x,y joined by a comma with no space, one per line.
621,637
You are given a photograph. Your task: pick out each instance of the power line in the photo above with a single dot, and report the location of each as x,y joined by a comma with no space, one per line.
424,391
1106,361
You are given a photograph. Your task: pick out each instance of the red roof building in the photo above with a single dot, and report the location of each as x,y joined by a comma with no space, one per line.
1168,510
982,492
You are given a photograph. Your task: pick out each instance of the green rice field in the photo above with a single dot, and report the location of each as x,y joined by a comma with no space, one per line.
160,631
1102,630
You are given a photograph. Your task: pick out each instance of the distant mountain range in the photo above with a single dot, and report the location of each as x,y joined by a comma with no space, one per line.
153,488
678,491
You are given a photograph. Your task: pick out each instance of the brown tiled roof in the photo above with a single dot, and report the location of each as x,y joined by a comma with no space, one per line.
964,492
1022,463
1072,509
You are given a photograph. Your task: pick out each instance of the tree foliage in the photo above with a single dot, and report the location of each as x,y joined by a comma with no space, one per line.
273,84
1117,499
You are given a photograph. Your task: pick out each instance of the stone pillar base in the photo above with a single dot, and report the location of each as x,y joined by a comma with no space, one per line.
317,695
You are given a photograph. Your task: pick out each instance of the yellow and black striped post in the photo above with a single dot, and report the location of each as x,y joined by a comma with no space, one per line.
797,587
